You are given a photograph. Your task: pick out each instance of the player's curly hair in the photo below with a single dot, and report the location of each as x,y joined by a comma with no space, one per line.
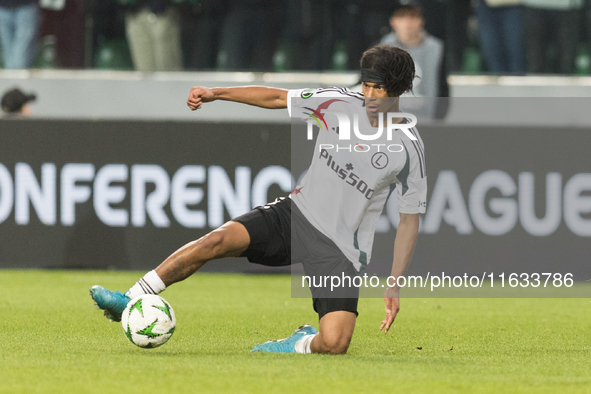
395,64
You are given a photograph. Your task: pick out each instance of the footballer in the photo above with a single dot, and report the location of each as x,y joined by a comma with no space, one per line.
328,222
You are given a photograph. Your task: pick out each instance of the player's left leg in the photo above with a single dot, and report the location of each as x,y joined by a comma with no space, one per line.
336,306
335,333
334,336
337,323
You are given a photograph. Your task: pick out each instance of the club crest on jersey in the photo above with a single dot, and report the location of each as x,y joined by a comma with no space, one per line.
379,160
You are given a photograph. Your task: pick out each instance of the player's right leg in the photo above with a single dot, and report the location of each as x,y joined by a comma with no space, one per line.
230,240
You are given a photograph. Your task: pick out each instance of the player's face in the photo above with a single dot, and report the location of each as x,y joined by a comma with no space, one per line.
377,99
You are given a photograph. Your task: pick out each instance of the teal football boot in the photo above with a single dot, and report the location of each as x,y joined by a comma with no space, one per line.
286,345
112,302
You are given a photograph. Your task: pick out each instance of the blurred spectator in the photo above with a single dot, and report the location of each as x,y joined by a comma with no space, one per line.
448,21
583,61
249,34
552,31
435,15
15,103
19,26
427,51
200,32
500,23
64,19
456,41
357,25
105,30
304,43
153,29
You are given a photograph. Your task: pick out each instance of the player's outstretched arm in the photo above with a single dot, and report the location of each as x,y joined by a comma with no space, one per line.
260,96
404,247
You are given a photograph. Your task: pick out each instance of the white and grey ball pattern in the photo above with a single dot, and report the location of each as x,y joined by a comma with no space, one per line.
148,321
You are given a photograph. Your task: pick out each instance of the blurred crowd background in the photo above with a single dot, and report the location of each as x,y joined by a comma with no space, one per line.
474,36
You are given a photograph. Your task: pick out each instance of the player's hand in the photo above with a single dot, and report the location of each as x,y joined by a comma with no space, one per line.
199,95
392,301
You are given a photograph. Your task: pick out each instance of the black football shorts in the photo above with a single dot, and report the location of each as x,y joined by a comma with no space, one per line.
280,235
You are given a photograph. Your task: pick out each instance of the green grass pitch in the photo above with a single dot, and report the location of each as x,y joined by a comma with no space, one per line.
55,341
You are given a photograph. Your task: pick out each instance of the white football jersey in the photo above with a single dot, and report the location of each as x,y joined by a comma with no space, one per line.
349,180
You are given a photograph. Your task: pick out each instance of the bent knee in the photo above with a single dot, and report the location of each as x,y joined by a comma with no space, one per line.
336,345
339,349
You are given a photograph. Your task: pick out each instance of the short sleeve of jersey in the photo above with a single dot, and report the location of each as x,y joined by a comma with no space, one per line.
412,187
296,101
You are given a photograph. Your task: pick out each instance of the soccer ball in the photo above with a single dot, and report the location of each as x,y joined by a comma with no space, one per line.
148,321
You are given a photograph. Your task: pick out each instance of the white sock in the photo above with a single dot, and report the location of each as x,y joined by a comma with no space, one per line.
149,284
303,345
